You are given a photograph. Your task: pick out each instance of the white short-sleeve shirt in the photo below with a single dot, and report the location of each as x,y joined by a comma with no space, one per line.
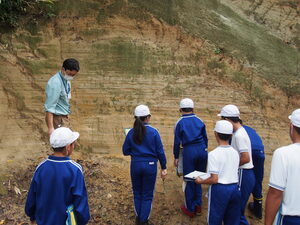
241,142
285,176
224,161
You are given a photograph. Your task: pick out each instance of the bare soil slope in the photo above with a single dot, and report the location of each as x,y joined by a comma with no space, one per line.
110,195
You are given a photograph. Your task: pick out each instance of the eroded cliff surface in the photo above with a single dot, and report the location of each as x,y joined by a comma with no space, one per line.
134,52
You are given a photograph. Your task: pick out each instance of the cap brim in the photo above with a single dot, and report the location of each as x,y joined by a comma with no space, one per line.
75,137
290,117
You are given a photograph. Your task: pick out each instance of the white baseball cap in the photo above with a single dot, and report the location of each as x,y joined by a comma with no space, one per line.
229,111
223,127
62,137
295,118
186,103
142,110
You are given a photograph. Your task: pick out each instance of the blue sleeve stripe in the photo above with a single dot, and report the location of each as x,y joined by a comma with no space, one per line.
276,187
40,164
77,165
199,118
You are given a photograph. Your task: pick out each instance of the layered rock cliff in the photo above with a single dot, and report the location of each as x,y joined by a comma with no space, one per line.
155,53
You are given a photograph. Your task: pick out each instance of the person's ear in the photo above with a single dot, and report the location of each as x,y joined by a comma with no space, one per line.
68,148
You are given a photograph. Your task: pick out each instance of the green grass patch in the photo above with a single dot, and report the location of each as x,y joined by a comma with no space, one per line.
36,67
211,20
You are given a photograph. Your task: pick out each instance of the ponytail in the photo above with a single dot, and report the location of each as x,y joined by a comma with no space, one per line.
139,129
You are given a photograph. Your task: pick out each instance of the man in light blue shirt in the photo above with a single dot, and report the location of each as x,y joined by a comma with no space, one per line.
58,95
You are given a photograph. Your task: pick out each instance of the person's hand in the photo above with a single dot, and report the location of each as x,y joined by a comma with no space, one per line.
50,130
176,162
198,180
163,174
32,222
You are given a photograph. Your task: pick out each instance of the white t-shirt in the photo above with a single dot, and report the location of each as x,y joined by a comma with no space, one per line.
241,142
224,161
285,176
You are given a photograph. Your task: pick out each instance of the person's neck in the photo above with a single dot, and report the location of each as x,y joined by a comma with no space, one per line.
236,126
59,154
222,142
185,113
296,140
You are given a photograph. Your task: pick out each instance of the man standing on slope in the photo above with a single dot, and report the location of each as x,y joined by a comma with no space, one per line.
283,195
58,95
241,143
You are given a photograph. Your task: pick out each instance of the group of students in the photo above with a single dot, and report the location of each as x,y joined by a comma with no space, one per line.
235,166
230,166
57,191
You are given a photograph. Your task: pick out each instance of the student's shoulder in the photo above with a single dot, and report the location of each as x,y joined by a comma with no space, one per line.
284,150
241,133
152,129
75,165
41,165
198,118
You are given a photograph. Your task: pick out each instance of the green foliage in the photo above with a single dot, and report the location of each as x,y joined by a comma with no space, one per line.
11,12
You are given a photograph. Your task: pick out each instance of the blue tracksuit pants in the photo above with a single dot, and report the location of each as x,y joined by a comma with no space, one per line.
258,158
143,177
287,220
224,204
246,184
194,157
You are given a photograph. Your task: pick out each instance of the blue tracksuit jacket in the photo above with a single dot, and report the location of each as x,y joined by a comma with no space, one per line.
190,132
57,183
151,148
258,158
143,168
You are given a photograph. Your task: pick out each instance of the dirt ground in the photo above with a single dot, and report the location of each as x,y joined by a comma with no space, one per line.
110,196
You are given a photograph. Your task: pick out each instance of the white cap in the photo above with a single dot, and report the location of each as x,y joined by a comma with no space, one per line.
141,110
295,118
186,103
229,111
62,137
223,127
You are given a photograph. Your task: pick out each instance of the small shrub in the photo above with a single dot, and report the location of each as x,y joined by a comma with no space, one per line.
12,10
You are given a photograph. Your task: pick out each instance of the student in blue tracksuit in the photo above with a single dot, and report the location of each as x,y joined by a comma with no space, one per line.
224,202
57,183
144,145
241,142
190,133
258,157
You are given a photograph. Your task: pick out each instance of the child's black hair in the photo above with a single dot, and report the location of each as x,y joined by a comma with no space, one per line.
139,129
224,137
61,149
233,119
187,109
